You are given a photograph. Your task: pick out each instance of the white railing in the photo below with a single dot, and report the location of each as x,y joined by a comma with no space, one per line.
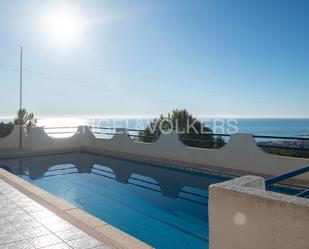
241,153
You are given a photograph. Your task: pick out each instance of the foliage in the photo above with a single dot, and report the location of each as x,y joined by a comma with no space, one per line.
22,118
287,152
25,118
191,131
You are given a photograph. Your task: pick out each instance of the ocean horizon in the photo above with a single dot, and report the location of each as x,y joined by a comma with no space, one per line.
296,127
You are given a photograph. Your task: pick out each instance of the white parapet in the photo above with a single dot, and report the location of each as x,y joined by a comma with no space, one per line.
243,215
239,156
37,139
11,141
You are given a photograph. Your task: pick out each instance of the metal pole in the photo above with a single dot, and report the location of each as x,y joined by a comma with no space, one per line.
21,79
20,94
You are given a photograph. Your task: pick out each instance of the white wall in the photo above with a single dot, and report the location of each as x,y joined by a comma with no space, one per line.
243,215
241,152
12,140
37,139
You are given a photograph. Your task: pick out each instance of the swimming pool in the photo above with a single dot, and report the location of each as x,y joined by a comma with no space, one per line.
166,208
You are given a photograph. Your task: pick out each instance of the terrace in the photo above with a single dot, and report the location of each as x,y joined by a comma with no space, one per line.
235,175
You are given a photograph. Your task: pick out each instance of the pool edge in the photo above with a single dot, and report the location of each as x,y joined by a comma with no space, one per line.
91,225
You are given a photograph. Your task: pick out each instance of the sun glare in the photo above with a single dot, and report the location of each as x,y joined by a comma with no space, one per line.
61,122
63,27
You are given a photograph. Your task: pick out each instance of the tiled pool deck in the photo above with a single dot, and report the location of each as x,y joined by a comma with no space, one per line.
26,224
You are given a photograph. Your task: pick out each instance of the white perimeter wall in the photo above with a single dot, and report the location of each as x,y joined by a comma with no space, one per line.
12,140
240,153
242,215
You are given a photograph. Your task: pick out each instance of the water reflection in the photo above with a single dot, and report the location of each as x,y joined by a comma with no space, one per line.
170,183
140,199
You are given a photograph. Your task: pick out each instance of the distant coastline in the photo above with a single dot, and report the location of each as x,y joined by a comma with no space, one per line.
258,126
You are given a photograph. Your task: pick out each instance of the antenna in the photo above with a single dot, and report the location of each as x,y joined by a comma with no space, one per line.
21,79
20,94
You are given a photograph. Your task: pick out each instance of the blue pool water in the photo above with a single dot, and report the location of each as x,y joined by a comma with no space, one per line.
166,208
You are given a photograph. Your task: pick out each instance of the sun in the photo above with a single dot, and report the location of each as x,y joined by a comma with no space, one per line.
63,27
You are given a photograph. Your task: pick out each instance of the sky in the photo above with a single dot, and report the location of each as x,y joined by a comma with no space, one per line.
223,58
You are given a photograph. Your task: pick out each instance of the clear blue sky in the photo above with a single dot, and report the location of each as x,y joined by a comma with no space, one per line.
213,57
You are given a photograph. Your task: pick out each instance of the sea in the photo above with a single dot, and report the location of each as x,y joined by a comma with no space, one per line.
267,127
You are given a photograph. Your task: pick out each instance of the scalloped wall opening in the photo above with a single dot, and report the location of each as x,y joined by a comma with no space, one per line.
60,132
5,130
286,152
103,136
301,151
138,137
143,141
218,142
103,133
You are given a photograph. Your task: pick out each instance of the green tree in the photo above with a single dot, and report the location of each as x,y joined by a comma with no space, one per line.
22,118
191,131
25,118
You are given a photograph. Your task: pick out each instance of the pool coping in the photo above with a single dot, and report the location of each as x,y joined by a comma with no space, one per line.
96,228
